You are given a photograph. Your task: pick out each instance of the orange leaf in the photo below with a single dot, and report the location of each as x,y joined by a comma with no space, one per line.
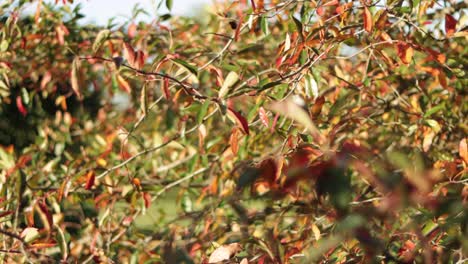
450,25
463,150
367,20
234,141
42,245
123,84
405,52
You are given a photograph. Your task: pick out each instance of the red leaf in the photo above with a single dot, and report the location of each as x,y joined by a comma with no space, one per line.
240,120
320,11
275,120
147,199
263,117
167,93
90,178
43,207
20,106
367,20
450,25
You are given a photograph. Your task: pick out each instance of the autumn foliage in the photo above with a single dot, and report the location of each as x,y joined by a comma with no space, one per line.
255,132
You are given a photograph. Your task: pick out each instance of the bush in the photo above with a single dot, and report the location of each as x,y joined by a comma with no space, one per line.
270,131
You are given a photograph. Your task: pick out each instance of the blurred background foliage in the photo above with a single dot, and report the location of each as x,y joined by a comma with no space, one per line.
306,131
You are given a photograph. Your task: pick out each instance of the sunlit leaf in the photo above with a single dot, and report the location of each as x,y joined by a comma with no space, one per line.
224,252
230,80
463,150
74,78
102,36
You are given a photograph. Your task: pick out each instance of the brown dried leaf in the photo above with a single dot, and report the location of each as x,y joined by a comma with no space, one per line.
367,20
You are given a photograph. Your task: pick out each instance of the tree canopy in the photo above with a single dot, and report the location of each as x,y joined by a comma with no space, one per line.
255,132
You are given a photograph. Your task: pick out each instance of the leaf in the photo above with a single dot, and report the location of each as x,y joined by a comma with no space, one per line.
382,20
317,107
264,25
147,199
463,150
140,60
230,80
123,84
427,141
234,141
100,38
240,120
62,242
316,232
311,86
169,4
224,252
193,69
263,117
29,234
367,20
450,25
20,106
129,54
131,31
90,178
166,91
202,112
405,52
144,99
291,110
74,78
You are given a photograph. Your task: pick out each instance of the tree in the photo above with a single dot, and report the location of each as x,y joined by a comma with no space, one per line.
271,131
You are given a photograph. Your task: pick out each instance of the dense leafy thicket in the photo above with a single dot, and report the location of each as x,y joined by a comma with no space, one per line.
257,132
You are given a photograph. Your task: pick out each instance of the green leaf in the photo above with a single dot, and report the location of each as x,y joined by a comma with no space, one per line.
264,25
4,45
169,4
100,38
193,69
203,110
